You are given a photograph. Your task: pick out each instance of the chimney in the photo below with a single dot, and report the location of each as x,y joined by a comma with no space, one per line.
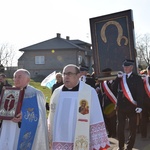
67,38
58,35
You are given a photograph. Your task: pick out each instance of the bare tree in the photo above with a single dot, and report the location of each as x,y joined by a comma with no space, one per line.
6,55
143,49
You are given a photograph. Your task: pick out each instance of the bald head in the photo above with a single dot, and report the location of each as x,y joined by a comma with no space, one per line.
21,78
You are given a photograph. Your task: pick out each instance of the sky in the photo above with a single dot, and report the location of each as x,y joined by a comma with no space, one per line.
27,22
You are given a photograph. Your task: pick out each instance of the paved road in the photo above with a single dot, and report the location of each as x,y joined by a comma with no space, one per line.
139,143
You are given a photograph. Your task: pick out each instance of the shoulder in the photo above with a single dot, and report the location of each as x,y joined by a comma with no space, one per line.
136,76
90,81
89,87
54,84
58,89
32,91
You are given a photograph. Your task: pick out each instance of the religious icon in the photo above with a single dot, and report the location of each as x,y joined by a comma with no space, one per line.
10,102
84,108
112,41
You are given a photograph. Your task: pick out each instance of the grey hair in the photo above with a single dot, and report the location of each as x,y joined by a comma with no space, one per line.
72,65
23,70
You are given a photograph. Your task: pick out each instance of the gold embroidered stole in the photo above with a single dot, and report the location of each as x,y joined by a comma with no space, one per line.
81,140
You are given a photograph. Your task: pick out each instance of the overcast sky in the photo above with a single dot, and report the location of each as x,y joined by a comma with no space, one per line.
27,22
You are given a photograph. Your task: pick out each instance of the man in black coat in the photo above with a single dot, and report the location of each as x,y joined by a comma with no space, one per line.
108,104
3,82
85,77
128,88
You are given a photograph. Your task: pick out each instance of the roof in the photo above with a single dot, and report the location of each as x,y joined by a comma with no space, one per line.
57,43
79,42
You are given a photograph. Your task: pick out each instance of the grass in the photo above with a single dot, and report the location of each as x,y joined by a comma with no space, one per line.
46,91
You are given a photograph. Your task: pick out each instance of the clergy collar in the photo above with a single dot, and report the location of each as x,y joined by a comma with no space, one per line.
76,88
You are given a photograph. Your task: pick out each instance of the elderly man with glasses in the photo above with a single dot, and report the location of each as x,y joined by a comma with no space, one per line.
69,127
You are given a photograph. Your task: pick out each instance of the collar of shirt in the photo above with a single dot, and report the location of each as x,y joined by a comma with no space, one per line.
76,88
128,75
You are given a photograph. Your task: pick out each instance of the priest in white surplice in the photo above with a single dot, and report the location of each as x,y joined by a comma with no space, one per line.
33,132
75,119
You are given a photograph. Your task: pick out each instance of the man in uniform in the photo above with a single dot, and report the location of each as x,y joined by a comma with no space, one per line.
128,88
85,77
108,104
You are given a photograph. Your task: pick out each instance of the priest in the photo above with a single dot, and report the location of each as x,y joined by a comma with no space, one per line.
75,119
28,129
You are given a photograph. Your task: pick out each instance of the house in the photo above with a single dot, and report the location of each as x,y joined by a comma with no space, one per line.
43,58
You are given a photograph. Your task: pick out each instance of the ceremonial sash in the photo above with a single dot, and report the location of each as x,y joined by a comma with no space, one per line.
126,91
108,92
147,86
30,118
81,140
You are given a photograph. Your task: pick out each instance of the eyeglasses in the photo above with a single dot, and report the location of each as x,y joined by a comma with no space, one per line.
68,74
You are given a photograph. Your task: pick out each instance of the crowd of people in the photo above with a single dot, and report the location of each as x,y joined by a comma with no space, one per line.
83,112
125,102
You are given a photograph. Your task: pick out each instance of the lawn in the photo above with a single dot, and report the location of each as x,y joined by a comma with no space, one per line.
46,91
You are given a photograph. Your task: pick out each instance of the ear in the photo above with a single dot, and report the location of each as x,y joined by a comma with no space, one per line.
28,80
131,67
79,75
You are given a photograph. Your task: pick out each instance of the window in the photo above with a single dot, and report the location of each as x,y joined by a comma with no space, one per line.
39,60
79,59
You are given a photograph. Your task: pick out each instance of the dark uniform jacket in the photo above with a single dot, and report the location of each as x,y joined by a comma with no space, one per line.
136,88
90,81
56,85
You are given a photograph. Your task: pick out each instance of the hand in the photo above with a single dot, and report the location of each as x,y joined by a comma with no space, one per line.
138,110
97,89
116,107
120,74
143,76
18,118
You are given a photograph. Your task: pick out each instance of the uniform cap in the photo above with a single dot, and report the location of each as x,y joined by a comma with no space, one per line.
128,62
83,68
107,71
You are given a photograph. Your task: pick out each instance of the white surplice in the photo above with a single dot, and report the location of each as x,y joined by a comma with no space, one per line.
9,135
10,130
65,122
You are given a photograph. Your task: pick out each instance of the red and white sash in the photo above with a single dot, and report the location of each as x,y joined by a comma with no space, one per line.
108,92
126,91
146,86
